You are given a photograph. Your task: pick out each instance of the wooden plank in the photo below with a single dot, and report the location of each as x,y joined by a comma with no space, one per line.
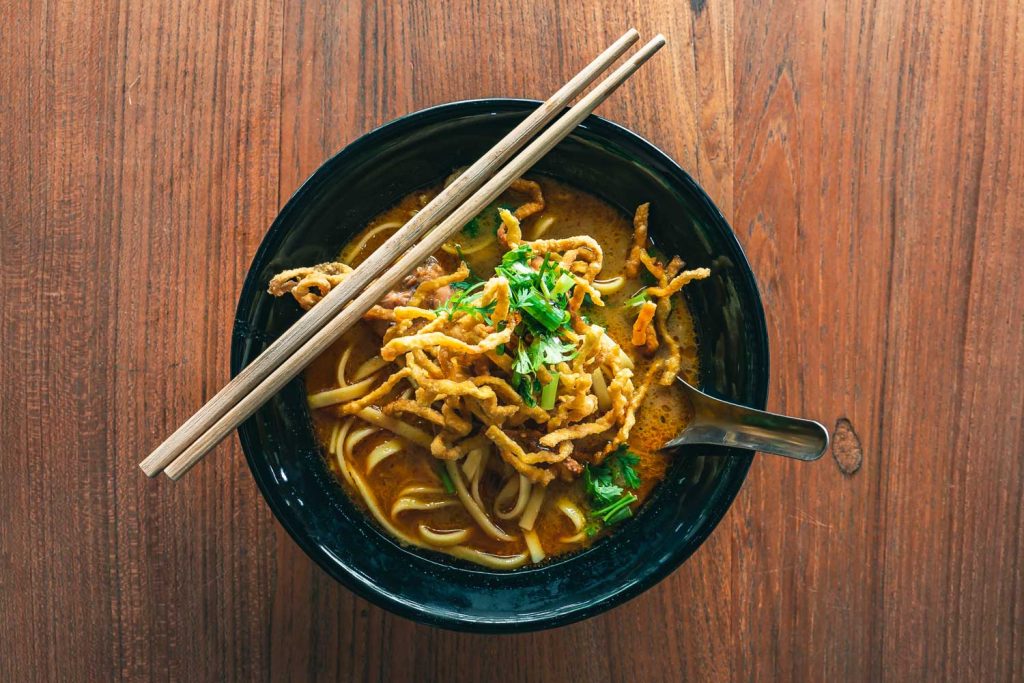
201,135
59,92
867,156
957,497
144,173
812,209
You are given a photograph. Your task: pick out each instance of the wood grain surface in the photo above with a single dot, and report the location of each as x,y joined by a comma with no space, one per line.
870,156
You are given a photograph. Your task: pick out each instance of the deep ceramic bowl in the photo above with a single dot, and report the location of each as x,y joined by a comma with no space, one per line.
368,176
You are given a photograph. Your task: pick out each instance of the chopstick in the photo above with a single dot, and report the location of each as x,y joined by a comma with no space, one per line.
442,205
248,403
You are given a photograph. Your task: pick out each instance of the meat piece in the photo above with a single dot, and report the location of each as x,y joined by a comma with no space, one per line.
430,270
529,439
569,469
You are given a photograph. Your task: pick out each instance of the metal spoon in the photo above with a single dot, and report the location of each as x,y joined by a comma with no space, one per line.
722,423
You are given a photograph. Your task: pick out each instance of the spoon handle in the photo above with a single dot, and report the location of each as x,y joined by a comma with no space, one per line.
728,424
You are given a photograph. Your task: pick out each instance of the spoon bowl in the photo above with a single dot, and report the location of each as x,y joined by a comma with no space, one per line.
722,423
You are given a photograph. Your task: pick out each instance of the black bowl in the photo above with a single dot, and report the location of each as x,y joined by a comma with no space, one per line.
420,150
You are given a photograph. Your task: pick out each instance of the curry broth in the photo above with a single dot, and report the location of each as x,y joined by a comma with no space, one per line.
661,416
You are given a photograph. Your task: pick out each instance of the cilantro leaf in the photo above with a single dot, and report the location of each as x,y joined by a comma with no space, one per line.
522,364
605,485
624,461
552,350
600,484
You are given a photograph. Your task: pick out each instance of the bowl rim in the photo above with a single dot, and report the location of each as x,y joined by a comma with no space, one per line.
674,173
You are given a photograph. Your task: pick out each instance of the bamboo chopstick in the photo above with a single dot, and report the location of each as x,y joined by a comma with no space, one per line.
308,325
294,364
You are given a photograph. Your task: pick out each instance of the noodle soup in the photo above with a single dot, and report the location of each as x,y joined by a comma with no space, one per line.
507,404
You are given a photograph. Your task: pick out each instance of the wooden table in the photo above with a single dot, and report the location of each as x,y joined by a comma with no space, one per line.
869,155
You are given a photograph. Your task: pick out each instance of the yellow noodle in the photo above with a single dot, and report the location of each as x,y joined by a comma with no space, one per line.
352,250
420,489
340,455
377,394
342,394
407,503
488,559
533,546
474,486
369,367
382,452
355,437
611,286
523,488
342,363
395,426
575,516
472,508
529,517
472,462
541,226
443,539
374,508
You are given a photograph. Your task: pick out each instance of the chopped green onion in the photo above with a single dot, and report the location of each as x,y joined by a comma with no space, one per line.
564,283
618,510
541,310
446,481
637,299
549,392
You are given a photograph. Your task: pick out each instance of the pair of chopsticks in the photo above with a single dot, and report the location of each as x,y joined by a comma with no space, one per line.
456,205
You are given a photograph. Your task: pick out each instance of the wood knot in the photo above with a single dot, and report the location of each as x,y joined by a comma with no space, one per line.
846,449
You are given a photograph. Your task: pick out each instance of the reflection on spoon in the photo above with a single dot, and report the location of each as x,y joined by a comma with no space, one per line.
722,423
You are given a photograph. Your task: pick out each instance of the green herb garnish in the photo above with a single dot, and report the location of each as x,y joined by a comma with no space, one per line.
606,486
624,460
541,295
616,511
549,392
446,480
472,228
466,299
637,299
599,481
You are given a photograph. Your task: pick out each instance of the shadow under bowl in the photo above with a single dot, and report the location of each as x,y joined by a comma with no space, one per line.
420,150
